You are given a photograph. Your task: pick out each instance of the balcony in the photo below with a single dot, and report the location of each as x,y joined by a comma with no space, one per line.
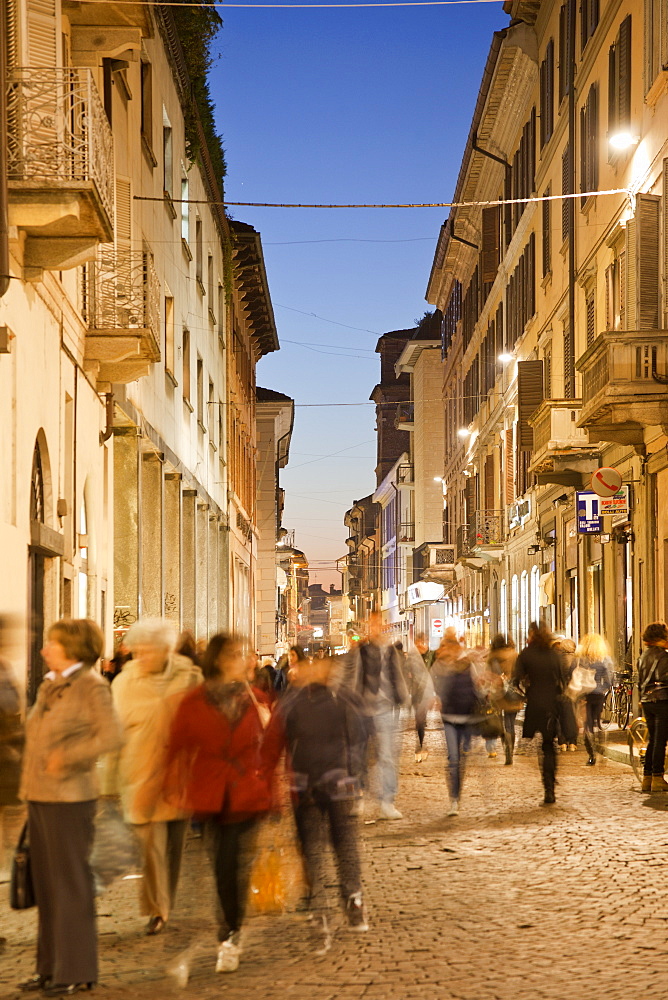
121,306
404,417
561,450
406,532
620,396
60,162
463,544
405,475
486,530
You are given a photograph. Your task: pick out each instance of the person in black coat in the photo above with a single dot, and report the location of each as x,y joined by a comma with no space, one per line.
539,674
323,734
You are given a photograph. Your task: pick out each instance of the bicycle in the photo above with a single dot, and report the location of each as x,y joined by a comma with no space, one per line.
617,704
637,736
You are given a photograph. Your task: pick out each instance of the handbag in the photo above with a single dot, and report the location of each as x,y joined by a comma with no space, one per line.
582,682
21,890
487,722
116,849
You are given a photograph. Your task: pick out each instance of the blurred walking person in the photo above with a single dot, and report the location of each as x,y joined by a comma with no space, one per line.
653,685
421,690
539,674
501,663
11,749
214,771
323,733
568,723
71,724
455,685
593,652
146,694
373,671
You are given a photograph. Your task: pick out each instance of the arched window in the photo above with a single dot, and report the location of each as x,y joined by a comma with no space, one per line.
534,597
83,564
515,610
524,607
37,487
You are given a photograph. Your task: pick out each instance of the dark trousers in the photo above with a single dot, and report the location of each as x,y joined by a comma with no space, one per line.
547,755
420,724
593,708
568,724
656,716
322,823
61,839
232,847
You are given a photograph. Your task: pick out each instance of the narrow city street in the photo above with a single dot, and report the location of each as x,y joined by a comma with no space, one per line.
507,901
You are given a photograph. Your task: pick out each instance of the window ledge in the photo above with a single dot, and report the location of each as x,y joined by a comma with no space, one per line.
587,206
547,280
200,285
148,151
212,316
188,404
658,89
172,378
201,425
169,204
186,248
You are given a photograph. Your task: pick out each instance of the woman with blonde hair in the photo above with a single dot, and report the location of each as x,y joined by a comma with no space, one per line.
593,652
71,724
146,695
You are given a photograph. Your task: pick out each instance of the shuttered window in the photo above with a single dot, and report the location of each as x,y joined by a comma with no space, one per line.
565,189
589,140
566,56
500,343
523,169
546,210
490,497
619,80
491,243
43,33
547,94
146,108
529,397
644,239
610,297
547,370
656,39
509,466
569,368
521,294
665,241
589,14
451,317
590,310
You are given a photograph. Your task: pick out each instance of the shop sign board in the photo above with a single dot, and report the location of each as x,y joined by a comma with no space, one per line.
616,504
606,482
588,513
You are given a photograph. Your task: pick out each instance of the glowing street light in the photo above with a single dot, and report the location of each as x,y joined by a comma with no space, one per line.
623,140
464,432
505,358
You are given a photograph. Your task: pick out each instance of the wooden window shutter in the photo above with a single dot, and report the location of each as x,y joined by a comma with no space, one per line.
565,184
583,151
563,48
543,102
547,371
500,342
610,297
470,498
569,370
612,89
531,276
591,318
43,33
12,29
593,137
123,229
624,74
665,234
529,397
509,463
648,208
547,247
490,499
491,242
621,278
549,87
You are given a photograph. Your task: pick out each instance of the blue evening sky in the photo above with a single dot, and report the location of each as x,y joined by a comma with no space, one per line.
354,106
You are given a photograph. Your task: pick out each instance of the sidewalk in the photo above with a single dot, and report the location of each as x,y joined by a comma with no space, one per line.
507,901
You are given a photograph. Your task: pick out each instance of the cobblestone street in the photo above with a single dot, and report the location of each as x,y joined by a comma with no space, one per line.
508,900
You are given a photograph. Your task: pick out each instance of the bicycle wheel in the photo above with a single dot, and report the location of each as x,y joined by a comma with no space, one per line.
608,710
623,708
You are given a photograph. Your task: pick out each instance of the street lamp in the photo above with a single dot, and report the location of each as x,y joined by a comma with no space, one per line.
623,140
505,358
464,432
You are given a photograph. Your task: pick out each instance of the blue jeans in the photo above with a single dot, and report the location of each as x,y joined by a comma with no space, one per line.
456,735
384,727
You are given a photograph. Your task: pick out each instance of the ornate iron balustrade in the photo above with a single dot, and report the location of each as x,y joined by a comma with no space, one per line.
486,528
463,543
407,531
121,291
57,130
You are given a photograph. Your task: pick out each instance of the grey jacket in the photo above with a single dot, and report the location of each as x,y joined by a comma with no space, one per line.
74,716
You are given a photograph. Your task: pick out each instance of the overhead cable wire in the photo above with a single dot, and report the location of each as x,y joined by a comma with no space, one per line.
425,204
288,6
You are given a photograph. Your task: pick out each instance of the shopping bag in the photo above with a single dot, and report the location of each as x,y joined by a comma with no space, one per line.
116,849
267,885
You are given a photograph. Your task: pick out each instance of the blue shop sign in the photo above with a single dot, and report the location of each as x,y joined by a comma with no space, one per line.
588,513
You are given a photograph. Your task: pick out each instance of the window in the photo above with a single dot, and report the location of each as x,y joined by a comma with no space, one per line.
569,370
588,20
547,95
221,433
589,142
169,333
619,81
566,56
656,40
521,294
200,392
503,608
566,206
198,254
185,209
107,88
547,370
146,109
186,364
534,596
167,156
590,310
615,277
211,416
514,610
523,170
210,287
547,243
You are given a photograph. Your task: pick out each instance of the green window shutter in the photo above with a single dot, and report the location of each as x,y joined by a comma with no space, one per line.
529,398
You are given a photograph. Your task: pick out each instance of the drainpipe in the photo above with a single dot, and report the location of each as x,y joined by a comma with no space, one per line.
109,410
4,230
571,190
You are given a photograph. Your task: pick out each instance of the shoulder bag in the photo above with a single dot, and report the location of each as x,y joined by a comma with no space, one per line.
21,891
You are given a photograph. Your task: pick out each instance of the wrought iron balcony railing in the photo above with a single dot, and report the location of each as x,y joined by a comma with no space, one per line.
486,528
121,292
405,475
407,531
57,131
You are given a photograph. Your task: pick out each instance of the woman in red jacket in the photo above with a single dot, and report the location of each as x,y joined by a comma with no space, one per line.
214,772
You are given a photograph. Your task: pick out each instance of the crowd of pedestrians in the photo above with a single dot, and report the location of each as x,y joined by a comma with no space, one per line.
194,733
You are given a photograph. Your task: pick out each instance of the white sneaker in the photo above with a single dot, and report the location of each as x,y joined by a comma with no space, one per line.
454,808
388,810
229,953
